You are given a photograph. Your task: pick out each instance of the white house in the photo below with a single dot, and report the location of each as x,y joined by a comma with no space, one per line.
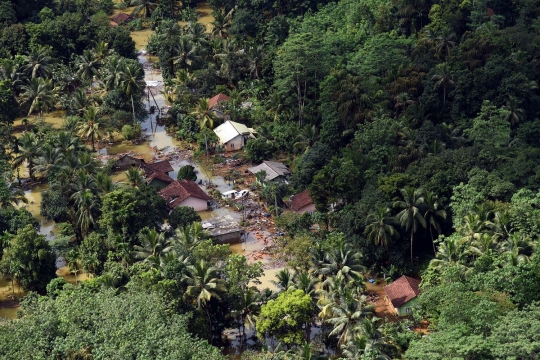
185,193
233,136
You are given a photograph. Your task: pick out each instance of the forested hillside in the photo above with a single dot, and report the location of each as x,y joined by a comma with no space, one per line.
414,126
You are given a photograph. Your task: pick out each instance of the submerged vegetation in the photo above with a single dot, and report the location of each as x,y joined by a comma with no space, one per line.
413,126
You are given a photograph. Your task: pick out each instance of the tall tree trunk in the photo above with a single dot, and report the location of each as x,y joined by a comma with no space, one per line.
412,234
133,109
432,241
93,147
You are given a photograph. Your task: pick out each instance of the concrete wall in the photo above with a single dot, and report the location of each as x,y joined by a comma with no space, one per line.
310,208
236,143
231,238
402,310
195,203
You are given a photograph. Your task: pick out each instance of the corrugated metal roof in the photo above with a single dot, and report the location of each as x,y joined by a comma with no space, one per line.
273,169
230,129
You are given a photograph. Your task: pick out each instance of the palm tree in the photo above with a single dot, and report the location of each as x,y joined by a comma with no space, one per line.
452,252
90,127
131,81
187,238
28,150
221,23
346,312
343,261
88,65
38,94
78,102
410,216
275,104
10,195
444,42
369,340
248,310
443,78
134,177
515,113
104,182
203,285
144,7
380,230
14,73
433,216
285,279
196,33
515,249
50,159
186,53
153,245
38,63
101,50
87,205
254,58
204,114
73,260
307,137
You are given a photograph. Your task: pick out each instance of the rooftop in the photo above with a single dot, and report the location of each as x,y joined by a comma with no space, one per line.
221,225
300,200
178,191
273,169
160,166
230,129
122,17
160,176
402,290
217,99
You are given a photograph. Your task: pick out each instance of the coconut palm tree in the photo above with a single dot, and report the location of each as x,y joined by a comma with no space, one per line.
368,342
10,195
131,81
434,216
187,238
249,308
196,33
307,137
134,177
515,113
87,205
104,183
14,73
144,7
222,21
186,53
444,42
153,245
203,285
204,114
38,94
452,252
345,313
89,128
380,230
344,261
78,102
38,63
274,104
49,160
88,65
285,279
74,264
410,217
28,150
443,78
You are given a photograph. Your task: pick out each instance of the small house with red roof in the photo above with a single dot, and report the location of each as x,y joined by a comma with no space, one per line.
302,203
158,180
185,193
121,18
402,295
216,103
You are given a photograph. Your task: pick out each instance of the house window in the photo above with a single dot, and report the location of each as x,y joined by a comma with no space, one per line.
408,310
232,145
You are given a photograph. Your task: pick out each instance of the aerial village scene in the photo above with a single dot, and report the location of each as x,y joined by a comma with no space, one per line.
256,180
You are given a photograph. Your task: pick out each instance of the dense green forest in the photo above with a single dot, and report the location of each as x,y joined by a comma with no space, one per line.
413,124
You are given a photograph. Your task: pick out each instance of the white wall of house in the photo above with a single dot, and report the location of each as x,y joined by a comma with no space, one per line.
236,143
310,208
195,203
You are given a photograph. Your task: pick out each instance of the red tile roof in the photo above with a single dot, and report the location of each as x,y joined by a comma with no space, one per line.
113,24
160,166
122,17
160,176
178,191
402,290
217,99
300,200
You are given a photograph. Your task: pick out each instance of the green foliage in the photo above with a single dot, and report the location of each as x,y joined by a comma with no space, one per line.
187,172
182,216
285,316
101,324
258,150
29,258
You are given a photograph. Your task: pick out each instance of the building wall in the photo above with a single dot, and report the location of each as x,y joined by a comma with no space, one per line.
402,310
236,143
126,162
310,208
195,203
230,238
